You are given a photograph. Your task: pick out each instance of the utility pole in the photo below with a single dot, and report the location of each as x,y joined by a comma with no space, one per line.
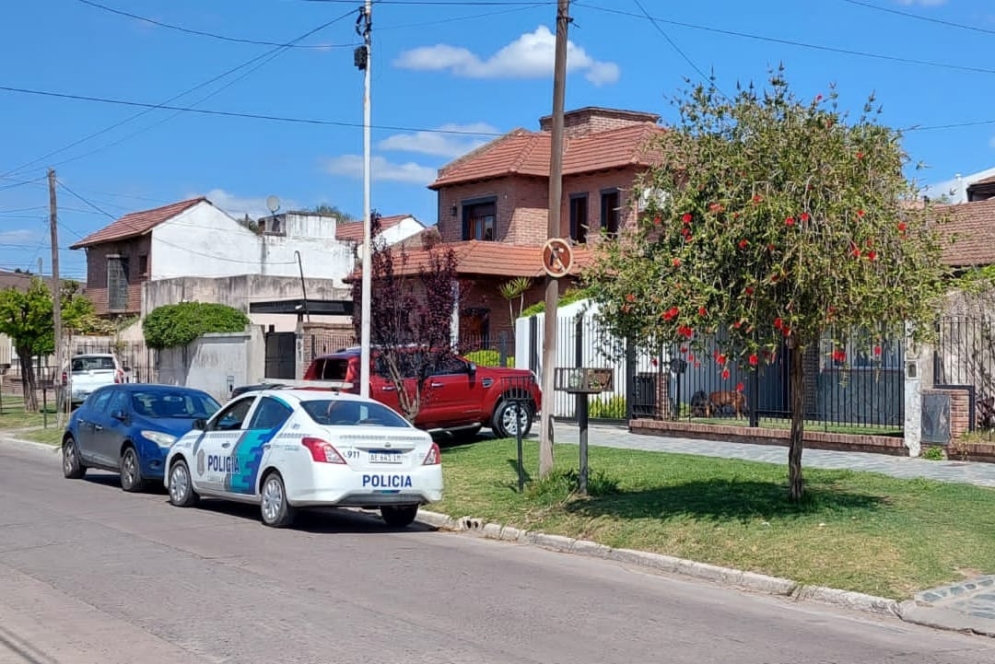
553,231
53,223
361,56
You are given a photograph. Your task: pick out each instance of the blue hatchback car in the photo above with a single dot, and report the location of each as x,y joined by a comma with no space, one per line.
128,428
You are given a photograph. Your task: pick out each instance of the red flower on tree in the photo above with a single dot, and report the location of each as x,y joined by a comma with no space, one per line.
877,351
778,323
860,213
757,198
872,255
771,247
749,290
702,311
790,221
902,227
860,155
630,298
744,243
676,262
657,220
686,218
739,387
754,360
804,216
839,355
725,374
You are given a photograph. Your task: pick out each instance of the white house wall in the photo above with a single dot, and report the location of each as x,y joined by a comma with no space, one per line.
205,242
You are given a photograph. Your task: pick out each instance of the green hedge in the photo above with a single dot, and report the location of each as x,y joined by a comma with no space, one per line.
607,408
177,325
569,297
489,358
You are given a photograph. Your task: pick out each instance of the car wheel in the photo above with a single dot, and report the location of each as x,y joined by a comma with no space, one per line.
72,464
275,509
131,471
504,422
399,516
181,491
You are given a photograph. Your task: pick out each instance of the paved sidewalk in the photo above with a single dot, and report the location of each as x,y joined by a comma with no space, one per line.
969,472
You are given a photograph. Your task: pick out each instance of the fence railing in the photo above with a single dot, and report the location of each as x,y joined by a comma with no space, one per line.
862,394
491,350
964,359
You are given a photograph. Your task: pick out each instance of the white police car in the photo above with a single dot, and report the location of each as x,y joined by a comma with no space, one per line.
289,449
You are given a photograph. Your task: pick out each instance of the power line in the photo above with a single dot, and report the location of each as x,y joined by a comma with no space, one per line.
235,114
150,107
919,17
85,201
673,44
789,42
203,33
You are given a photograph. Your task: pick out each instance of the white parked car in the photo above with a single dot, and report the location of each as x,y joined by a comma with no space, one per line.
290,449
88,372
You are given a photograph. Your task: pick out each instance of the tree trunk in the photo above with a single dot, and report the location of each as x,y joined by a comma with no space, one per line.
29,385
795,478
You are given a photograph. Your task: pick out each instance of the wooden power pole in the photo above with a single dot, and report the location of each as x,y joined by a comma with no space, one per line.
53,223
553,231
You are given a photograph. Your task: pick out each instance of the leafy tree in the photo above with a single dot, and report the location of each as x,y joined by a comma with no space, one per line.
26,317
411,314
776,222
515,289
332,210
178,325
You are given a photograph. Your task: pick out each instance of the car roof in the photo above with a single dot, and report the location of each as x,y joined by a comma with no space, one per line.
92,355
313,395
153,387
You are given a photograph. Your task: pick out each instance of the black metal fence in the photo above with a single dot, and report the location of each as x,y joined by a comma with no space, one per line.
855,389
964,359
491,350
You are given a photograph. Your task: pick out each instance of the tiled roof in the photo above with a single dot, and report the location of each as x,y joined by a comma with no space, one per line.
352,231
20,280
489,259
971,226
136,223
522,152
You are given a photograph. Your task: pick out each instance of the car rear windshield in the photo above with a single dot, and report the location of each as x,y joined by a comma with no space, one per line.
342,412
173,405
332,368
93,363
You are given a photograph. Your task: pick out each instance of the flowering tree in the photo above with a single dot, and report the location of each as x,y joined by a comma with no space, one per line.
774,222
411,314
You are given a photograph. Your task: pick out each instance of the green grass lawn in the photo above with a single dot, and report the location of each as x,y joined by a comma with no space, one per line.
49,436
855,531
13,415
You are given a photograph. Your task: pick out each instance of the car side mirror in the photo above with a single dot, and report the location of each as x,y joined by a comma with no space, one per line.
119,415
200,424
472,369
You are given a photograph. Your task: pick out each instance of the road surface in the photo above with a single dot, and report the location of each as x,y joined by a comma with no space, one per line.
89,574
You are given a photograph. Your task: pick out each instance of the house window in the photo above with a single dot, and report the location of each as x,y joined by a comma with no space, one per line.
117,283
578,218
610,212
143,265
479,219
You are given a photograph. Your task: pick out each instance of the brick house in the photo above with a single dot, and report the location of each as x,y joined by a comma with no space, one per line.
493,203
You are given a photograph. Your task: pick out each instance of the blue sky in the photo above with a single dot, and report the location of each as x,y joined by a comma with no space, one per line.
467,66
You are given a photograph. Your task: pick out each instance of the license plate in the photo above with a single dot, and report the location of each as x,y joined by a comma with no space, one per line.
385,457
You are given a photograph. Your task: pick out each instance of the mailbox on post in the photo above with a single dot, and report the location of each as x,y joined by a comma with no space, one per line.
583,381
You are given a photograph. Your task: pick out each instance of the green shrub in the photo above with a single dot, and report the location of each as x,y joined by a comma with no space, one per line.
177,325
610,408
569,297
933,453
489,358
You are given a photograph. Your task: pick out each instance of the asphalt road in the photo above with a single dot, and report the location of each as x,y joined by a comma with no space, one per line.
90,574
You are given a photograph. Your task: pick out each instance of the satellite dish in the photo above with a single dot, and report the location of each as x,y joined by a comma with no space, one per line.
273,203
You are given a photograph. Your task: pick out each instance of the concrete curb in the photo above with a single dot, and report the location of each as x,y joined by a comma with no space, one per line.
5,438
768,585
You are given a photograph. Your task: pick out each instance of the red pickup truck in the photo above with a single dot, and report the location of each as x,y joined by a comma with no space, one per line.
459,397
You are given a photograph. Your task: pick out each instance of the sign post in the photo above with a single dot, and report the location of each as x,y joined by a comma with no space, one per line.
584,381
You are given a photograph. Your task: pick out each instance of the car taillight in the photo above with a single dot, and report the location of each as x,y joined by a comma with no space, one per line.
434,456
322,451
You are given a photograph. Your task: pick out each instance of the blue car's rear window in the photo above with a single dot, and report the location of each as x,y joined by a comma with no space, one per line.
179,405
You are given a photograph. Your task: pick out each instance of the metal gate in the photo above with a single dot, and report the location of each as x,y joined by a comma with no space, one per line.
281,350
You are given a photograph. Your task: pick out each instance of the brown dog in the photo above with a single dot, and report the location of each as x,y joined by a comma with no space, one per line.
719,400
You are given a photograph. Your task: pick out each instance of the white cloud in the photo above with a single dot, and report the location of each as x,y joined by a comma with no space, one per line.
351,165
239,206
529,56
440,144
18,236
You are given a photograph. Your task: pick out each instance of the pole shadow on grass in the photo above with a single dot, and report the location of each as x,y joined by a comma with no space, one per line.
724,500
